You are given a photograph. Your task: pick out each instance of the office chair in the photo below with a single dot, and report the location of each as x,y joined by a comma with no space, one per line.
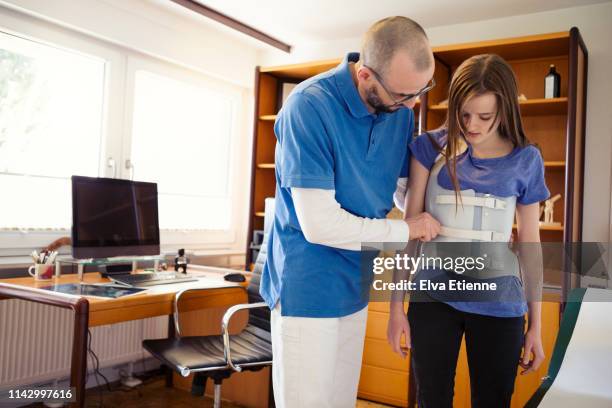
218,357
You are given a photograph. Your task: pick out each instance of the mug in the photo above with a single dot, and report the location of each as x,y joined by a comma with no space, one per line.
41,271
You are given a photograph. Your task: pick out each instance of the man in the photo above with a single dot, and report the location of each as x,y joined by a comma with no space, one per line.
342,146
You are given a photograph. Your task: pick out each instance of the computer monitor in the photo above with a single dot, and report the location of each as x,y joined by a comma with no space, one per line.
112,217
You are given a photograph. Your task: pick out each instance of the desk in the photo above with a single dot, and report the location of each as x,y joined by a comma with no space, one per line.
89,312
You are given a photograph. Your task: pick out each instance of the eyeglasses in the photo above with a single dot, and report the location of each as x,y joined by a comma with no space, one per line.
404,97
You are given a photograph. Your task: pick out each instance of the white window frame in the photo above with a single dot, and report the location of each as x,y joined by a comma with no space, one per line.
194,239
30,28
116,131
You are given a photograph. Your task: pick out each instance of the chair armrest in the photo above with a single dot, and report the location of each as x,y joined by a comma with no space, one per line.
177,328
225,325
176,308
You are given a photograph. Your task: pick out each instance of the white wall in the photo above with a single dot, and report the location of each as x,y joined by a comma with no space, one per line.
595,24
147,27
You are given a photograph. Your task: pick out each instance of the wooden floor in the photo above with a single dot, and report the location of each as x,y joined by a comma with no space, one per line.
155,394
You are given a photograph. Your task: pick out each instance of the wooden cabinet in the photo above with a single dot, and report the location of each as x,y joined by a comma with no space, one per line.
268,85
384,374
556,125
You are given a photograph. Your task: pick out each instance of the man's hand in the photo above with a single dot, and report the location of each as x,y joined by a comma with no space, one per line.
423,227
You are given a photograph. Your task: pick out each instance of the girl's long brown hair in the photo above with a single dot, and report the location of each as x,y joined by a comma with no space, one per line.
478,75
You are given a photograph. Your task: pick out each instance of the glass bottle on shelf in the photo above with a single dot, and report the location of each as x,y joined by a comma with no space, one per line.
552,83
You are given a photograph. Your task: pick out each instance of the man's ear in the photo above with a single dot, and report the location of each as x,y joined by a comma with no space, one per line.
363,73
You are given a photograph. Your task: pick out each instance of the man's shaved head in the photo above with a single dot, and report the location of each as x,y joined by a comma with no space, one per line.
393,34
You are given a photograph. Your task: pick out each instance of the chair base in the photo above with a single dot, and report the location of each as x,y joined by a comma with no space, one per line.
217,400
198,386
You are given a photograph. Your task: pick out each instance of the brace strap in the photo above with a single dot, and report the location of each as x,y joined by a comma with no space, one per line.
488,202
489,236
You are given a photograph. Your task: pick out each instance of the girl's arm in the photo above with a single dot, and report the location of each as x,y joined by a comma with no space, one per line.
530,259
415,201
414,205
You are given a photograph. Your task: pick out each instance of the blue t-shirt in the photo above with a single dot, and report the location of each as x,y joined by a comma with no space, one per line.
519,173
327,139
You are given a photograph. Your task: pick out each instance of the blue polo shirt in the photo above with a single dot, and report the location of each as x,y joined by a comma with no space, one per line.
327,139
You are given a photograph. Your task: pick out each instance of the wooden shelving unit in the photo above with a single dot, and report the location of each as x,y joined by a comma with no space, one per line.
267,83
554,164
556,125
538,106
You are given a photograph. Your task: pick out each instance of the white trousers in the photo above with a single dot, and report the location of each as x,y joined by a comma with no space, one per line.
317,361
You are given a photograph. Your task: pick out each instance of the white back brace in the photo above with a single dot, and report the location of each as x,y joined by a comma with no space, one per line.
477,217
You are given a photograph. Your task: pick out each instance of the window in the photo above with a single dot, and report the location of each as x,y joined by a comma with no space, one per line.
181,138
51,108
76,105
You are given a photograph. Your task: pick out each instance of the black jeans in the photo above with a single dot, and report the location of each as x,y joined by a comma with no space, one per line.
493,346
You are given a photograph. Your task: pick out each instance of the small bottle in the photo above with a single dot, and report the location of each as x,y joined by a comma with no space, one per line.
181,261
552,83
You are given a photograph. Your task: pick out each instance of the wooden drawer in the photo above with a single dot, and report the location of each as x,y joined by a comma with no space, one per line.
378,353
383,385
378,307
376,327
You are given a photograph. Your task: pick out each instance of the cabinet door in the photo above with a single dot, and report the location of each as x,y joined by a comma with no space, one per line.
383,385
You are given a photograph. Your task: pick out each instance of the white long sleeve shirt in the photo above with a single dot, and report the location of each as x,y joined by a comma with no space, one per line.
325,222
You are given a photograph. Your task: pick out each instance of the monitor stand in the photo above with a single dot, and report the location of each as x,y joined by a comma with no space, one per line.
114,269
130,261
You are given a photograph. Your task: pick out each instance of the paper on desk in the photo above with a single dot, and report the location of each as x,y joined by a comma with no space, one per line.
203,283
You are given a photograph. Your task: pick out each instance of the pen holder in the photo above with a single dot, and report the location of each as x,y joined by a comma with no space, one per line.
41,271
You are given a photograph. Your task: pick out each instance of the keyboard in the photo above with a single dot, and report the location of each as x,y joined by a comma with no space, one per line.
151,279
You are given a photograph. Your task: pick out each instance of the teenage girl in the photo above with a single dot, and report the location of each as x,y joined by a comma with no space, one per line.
499,162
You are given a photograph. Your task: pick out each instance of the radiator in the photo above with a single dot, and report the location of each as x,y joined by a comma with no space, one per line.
36,342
